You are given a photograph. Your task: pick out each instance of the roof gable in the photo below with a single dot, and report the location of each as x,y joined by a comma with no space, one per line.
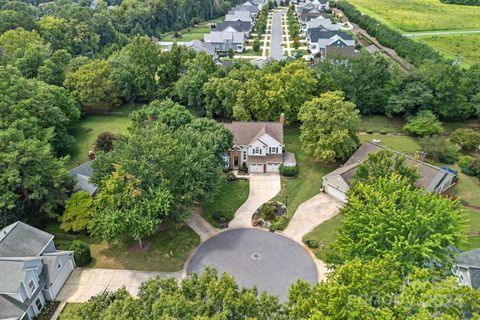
22,240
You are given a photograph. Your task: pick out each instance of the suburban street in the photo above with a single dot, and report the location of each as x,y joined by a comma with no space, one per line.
276,49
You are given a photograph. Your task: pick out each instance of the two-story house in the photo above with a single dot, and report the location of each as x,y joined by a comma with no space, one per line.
257,145
32,270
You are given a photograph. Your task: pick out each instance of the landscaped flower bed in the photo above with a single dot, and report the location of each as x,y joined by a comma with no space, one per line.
271,215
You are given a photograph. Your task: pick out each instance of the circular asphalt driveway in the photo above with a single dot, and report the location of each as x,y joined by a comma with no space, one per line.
266,260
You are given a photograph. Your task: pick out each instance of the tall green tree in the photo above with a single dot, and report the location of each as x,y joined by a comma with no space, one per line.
78,212
93,85
24,50
329,127
383,164
135,69
33,181
167,112
123,209
387,216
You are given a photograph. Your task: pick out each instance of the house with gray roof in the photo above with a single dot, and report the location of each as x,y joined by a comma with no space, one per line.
248,7
319,48
81,176
257,145
224,40
432,178
239,15
32,270
235,26
467,268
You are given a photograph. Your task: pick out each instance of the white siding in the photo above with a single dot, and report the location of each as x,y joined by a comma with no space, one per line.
273,167
256,168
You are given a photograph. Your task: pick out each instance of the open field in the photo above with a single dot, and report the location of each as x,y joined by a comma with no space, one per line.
87,130
378,123
230,197
309,180
192,33
465,45
168,250
405,144
421,15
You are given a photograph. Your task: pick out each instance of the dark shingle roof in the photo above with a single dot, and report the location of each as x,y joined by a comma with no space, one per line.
320,33
238,25
245,132
21,240
429,174
469,258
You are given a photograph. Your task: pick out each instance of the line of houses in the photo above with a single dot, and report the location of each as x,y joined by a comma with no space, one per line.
324,36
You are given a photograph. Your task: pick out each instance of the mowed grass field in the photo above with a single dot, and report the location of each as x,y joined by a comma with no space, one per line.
421,15
192,33
451,45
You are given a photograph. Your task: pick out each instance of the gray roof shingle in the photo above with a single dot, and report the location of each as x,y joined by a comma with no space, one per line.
21,240
15,272
11,308
82,175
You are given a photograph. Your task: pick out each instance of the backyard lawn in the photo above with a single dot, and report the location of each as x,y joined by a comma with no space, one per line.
309,180
192,33
405,144
230,197
421,15
378,123
168,250
87,130
325,234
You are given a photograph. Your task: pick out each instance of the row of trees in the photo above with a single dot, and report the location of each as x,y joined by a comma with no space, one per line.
413,51
378,87
465,2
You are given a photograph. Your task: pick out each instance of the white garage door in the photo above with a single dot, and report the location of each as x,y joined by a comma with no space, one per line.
256,168
335,193
62,277
272,167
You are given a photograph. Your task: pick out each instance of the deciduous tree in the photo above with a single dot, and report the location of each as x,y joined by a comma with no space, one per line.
329,127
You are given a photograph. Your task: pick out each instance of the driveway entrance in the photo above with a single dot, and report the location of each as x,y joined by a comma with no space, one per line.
263,187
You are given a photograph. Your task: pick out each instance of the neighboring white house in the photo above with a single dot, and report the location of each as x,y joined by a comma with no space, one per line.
432,178
224,40
32,271
257,145
467,268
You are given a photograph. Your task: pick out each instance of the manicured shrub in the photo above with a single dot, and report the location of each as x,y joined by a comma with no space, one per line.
280,223
425,123
81,252
105,141
467,139
470,166
230,176
288,171
369,131
78,212
230,53
383,132
312,244
440,149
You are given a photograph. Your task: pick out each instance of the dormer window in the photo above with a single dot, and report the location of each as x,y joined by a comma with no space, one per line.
31,286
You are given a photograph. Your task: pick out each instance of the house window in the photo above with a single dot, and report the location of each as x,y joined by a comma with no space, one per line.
39,304
59,265
244,156
31,286
257,151
273,150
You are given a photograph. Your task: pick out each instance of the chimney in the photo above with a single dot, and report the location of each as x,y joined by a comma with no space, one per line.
91,155
282,118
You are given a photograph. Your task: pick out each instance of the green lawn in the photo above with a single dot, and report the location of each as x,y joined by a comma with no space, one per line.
465,45
421,15
405,144
377,123
472,243
168,250
325,234
249,52
309,180
192,33
230,197
468,188
67,312
87,130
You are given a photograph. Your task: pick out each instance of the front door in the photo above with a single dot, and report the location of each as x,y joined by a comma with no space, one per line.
235,162
264,168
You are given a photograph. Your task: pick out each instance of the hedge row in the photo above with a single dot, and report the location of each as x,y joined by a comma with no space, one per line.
415,52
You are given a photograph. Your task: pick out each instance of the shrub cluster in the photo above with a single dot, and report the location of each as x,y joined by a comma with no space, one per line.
288,171
81,252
